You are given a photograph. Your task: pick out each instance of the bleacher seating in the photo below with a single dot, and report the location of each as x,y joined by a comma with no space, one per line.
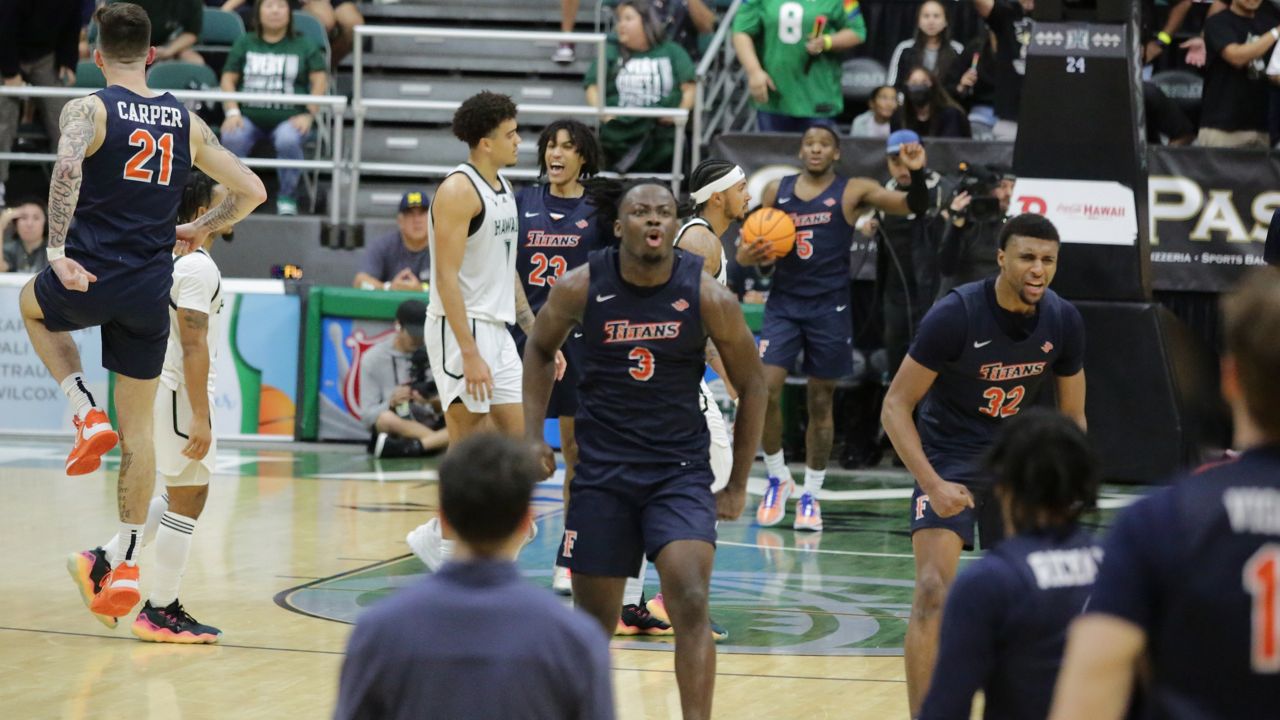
89,75
181,76
861,76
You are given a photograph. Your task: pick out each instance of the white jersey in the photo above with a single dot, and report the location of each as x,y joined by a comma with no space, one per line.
723,275
197,285
488,272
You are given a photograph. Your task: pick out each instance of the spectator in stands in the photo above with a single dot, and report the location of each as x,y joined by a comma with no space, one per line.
881,107
338,19
932,47
38,47
400,259
969,244
643,70
972,82
398,402
684,21
1166,123
928,110
1010,22
1234,106
792,59
24,251
273,59
175,28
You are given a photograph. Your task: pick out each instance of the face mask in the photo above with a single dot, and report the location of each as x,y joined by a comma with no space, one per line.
918,94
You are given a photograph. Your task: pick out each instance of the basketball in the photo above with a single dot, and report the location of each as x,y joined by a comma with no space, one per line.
773,226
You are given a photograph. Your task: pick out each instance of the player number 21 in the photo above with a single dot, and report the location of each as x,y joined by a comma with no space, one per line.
1001,404
644,364
134,170
1261,580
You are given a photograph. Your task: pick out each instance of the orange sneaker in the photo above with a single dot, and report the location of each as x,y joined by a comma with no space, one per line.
88,569
94,438
119,592
808,514
773,506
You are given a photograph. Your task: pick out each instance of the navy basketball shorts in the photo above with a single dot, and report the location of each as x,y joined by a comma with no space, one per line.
985,514
132,311
821,327
621,513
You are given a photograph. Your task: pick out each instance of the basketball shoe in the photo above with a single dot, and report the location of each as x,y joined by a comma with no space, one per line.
636,620
88,569
562,581
808,514
172,624
94,438
773,506
658,609
118,592
428,543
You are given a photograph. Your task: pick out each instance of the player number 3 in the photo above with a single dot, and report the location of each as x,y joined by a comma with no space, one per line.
644,364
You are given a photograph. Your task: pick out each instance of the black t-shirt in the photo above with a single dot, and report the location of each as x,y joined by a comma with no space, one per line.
1013,32
1234,98
1164,117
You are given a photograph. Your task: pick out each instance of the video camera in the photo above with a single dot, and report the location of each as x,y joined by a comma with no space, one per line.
420,378
981,183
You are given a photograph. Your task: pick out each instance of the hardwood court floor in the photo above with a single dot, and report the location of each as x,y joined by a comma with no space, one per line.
293,544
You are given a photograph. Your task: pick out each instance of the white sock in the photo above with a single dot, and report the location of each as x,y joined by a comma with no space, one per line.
128,543
813,480
776,464
173,545
159,505
73,385
446,549
634,591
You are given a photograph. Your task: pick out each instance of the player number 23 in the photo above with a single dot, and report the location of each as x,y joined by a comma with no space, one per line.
134,170
644,364
541,263
1002,404
1262,582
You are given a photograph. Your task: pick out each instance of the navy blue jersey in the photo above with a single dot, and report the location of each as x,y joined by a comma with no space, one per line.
991,375
556,234
642,360
128,206
1005,626
818,265
1197,567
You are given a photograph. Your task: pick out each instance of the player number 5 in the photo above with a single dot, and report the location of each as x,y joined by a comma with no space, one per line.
804,244
1261,576
644,364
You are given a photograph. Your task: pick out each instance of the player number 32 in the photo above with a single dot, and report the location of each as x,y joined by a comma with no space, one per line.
1002,404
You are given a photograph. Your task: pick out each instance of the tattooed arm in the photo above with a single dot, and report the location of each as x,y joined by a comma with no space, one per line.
83,125
244,189
525,318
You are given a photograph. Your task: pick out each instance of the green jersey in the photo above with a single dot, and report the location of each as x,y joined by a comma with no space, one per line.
282,67
652,78
780,29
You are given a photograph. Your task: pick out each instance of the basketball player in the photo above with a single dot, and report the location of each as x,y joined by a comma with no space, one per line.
643,485
473,234
184,459
557,230
981,352
808,307
718,190
1190,577
132,149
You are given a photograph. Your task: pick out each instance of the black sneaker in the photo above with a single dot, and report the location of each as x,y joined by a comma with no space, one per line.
636,620
394,446
88,569
172,624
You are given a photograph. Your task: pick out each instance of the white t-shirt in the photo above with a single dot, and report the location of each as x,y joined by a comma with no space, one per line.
488,272
197,285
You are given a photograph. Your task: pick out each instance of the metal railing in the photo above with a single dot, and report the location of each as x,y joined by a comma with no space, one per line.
330,105
721,99
361,105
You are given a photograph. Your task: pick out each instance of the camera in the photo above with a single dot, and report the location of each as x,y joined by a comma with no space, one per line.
980,182
420,378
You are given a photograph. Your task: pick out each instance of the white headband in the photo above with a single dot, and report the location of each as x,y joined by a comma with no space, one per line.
704,193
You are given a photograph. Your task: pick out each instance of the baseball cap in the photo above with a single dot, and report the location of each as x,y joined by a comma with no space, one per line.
412,316
898,138
413,199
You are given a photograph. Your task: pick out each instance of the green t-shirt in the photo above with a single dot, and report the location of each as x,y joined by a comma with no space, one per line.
642,79
279,67
781,28
171,17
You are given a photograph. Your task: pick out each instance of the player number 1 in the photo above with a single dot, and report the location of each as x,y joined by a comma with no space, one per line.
1261,574
134,170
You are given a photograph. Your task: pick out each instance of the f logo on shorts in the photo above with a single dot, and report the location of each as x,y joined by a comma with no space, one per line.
764,345
921,502
570,537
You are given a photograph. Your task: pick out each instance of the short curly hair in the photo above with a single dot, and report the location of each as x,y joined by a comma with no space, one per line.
480,115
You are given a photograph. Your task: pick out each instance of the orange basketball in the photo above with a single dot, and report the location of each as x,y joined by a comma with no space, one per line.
773,226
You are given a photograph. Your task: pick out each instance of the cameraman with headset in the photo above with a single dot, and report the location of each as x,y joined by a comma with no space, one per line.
398,401
977,211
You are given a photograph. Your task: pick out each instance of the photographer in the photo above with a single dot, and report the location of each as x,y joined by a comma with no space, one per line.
397,395
975,215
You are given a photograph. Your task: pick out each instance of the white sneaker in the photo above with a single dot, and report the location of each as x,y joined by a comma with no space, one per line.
564,54
429,545
562,581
